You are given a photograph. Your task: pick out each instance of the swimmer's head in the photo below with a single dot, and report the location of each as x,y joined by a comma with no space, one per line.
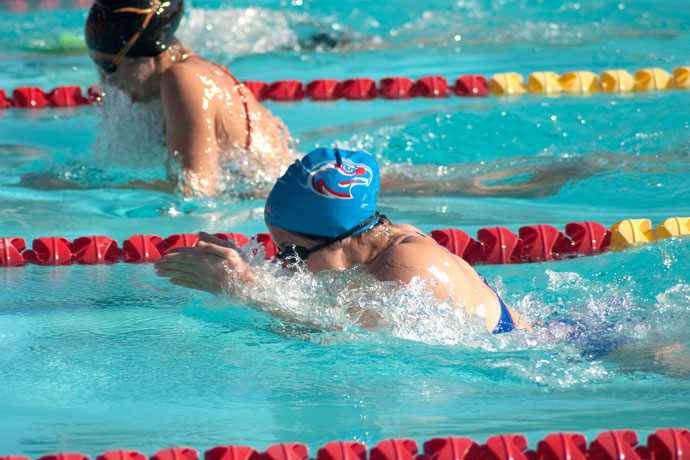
327,193
147,27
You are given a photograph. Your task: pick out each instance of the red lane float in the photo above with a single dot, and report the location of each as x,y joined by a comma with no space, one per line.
504,447
342,451
535,243
237,238
431,86
177,241
35,98
499,244
67,456
266,242
358,89
494,245
286,90
451,448
324,90
669,444
471,86
460,244
231,453
94,94
5,102
614,445
258,88
286,451
663,444
176,453
18,6
394,449
559,446
588,237
10,252
142,248
49,251
396,88
95,250
542,243
30,97
121,455
23,6
434,86
67,96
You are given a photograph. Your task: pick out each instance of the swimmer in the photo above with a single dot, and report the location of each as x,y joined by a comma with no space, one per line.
210,117
322,213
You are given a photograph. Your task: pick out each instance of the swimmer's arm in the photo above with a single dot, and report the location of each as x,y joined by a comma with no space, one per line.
213,265
190,129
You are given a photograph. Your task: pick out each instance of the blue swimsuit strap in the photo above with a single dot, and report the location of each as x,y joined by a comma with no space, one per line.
505,322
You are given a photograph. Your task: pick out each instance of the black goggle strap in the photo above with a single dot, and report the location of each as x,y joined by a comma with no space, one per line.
347,234
303,253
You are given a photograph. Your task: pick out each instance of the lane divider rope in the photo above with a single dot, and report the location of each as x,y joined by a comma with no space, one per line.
433,86
663,444
493,245
24,6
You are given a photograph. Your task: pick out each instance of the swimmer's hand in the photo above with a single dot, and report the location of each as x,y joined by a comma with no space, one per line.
212,265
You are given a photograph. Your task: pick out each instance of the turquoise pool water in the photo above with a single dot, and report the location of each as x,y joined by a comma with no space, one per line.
106,357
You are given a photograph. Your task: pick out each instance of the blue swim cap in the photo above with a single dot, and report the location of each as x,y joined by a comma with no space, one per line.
326,193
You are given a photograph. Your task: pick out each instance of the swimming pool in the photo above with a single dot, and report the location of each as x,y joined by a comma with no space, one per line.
107,357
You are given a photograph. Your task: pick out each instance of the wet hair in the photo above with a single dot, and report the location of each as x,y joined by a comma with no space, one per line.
112,23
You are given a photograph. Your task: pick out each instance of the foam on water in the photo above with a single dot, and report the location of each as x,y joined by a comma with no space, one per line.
143,145
230,32
587,329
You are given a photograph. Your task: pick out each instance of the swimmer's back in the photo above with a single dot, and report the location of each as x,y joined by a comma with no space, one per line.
450,276
240,122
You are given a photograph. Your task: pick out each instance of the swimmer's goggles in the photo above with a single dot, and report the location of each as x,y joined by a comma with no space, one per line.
109,66
293,253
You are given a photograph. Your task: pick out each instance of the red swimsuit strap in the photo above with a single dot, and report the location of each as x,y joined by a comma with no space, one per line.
243,97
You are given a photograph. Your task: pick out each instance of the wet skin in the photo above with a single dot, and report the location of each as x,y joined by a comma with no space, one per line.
205,117
391,252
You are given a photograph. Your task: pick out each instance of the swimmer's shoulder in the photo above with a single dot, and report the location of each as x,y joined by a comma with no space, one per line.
413,254
181,74
410,244
407,233
194,68
408,247
186,82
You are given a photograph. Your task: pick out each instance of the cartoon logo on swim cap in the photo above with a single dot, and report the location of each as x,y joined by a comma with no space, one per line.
334,180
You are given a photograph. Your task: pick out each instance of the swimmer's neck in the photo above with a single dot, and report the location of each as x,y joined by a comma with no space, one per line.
365,249
175,54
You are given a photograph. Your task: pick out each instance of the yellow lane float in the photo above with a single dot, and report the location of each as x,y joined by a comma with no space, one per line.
616,81
579,82
543,83
652,79
673,226
631,231
681,77
506,84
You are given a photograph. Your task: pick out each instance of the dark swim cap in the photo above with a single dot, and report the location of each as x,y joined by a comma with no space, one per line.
326,193
112,23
